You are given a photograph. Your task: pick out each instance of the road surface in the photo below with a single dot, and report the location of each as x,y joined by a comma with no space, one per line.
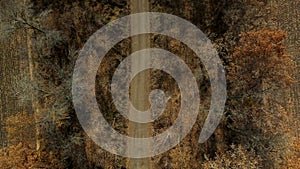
140,86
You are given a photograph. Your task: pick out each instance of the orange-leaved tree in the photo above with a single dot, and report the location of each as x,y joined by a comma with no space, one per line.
259,76
20,128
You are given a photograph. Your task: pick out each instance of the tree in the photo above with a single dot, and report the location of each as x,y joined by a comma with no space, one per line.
260,67
235,158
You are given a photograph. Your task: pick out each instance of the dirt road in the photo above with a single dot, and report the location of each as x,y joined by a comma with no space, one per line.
140,86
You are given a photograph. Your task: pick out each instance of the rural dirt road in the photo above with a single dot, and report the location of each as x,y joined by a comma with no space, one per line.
140,86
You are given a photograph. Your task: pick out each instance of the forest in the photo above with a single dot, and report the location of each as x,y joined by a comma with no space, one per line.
42,122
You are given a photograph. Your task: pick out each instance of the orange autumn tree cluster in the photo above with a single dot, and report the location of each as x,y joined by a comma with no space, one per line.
259,75
21,152
293,161
20,128
262,68
261,55
18,157
235,158
20,135
22,156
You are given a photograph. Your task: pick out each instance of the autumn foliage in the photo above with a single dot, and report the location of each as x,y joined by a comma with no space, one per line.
260,75
258,129
293,160
21,136
261,55
236,158
20,128
18,157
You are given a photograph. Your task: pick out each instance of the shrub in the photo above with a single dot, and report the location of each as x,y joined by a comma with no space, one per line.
236,158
